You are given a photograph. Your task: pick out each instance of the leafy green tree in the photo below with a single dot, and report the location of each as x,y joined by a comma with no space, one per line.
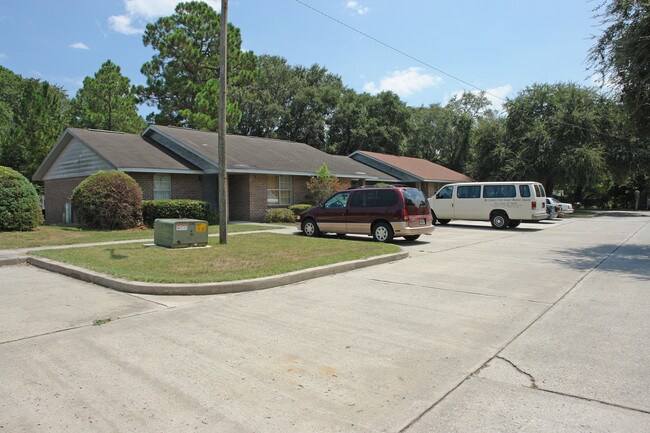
20,209
39,119
323,185
311,106
183,74
10,88
491,158
622,56
106,102
375,123
558,134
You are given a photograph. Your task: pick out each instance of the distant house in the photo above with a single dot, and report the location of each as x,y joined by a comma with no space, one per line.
174,163
417,172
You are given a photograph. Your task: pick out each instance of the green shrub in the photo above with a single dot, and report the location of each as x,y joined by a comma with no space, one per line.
297,208
20,209
195,209
280,215
108,200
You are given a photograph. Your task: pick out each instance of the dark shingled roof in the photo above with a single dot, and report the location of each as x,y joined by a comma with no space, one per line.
254,154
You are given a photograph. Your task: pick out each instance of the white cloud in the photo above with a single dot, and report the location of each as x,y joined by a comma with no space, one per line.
139,12
404,83
79,46
357,7
3,56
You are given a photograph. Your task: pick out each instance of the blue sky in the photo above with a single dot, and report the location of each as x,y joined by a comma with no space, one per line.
500,45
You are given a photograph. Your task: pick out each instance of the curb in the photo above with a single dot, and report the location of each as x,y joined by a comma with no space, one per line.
209,288
13,261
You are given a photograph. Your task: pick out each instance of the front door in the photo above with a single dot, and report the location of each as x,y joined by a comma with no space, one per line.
442,204
332,217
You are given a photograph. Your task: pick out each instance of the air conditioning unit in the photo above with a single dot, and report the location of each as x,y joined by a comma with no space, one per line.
180,233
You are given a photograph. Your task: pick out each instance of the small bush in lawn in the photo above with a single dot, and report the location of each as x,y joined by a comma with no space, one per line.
20,209
281,215
108,200
297,208
194,209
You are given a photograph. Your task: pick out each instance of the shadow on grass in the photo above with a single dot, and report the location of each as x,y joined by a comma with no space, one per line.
628,260
114,256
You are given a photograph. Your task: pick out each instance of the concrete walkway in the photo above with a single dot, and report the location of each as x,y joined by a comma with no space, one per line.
540,329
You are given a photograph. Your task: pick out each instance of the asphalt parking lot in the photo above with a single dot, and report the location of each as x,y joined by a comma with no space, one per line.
539,329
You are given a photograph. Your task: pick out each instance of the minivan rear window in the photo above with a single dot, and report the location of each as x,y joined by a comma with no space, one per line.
414,197
499,191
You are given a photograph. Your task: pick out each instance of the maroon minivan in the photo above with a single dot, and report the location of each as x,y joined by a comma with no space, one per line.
380,212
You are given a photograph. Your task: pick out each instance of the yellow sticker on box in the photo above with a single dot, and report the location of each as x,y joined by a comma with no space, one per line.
201,227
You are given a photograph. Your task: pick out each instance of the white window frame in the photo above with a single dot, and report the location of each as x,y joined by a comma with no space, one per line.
162,186
283,195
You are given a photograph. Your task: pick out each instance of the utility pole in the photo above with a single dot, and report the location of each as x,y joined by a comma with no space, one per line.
223,175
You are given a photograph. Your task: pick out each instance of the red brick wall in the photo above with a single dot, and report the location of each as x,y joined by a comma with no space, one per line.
258,196
300,189
57,194
184,186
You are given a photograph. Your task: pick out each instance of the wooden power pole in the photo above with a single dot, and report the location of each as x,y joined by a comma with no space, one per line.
223,175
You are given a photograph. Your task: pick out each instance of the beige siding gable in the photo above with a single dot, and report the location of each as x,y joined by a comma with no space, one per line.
76,160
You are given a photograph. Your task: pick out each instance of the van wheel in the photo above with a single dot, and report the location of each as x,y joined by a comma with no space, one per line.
411,238
309,228
382,232
434,219
499,220
514,223
443,222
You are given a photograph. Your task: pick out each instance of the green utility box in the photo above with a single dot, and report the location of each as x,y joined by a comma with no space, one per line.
180,233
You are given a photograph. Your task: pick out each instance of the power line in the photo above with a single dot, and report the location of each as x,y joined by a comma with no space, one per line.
422,62
397,50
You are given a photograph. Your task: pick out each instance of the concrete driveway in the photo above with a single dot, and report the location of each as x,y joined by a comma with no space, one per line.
544,328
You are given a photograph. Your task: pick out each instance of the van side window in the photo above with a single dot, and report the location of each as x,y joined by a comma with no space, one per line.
539,190
446,192
339,200
386,197
524,190
468,191
499,191
373,198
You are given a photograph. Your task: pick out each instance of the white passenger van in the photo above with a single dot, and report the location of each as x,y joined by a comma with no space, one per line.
504,204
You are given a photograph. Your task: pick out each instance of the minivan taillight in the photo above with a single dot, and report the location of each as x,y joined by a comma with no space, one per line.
533,205
406,214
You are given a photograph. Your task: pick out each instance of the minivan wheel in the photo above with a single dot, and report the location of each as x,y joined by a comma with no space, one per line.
309,228
382,232
499,220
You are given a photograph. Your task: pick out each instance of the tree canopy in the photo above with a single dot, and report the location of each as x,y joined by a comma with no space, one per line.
106,102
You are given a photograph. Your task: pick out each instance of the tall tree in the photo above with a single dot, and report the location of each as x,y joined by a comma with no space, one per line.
622,56
10,88
106,102
41,116
183,75
375,123
558,134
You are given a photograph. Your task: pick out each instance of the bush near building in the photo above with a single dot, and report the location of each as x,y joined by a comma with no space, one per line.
108,200
194,209
20,209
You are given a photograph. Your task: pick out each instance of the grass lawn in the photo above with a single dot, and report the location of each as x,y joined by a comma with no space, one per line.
66,235
245,256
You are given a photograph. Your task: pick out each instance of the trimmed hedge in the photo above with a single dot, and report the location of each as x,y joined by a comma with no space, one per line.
108,200
195,209
20,209
281,215
297,208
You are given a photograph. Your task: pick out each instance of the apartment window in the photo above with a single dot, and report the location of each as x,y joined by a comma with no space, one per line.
280,190
162,186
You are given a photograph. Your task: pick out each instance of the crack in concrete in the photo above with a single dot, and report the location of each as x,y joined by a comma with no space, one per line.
530,377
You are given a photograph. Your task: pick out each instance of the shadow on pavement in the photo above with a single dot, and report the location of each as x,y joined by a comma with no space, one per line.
630,260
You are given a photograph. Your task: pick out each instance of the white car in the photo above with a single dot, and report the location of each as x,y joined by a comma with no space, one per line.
562,208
